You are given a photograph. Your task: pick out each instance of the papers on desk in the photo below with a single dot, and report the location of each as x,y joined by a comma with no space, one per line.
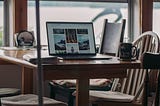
45,59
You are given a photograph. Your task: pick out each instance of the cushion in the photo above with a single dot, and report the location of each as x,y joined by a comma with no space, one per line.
4,92
29,100
110,96
93,82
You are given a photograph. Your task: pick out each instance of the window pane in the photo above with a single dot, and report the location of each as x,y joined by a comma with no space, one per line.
1,21
156,14
94,12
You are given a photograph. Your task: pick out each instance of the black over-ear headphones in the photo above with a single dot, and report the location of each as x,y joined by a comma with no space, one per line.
25,38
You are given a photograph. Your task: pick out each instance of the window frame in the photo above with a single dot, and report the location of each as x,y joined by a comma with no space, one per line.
2,25
143,12
123,1
75,3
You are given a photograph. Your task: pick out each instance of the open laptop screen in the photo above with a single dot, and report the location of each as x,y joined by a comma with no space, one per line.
70,38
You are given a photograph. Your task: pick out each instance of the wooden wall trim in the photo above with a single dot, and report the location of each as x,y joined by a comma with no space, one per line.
146,24
20,15
146,15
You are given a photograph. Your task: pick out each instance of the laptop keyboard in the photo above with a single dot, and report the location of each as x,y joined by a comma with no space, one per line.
86,57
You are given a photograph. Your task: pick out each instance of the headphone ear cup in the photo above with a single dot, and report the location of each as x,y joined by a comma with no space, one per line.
25,38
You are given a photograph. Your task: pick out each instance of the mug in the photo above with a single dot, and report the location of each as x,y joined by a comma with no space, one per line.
127,51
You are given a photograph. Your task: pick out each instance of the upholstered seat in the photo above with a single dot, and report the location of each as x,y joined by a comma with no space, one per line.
110,96
29,100
93,82
5,92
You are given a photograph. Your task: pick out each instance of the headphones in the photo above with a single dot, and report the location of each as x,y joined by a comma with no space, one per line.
25,38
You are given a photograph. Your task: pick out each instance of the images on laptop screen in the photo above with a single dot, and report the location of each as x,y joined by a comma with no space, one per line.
70,38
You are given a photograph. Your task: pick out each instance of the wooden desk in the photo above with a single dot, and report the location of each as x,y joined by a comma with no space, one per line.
81,70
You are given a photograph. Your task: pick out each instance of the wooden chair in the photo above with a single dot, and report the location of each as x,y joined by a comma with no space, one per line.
129,91
151,61
112,35
8,92
13,97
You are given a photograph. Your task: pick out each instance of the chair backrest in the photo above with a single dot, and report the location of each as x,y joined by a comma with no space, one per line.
147,42
132,84
112,36
151,61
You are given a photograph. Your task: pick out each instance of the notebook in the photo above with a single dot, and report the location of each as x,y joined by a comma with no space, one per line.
72,40
45,58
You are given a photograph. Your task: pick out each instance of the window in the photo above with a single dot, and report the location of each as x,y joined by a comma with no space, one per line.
1,22
94,12
156,14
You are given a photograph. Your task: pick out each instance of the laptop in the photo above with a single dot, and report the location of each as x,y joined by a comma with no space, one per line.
72,40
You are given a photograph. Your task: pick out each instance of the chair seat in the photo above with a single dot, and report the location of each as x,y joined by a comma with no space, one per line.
29,100
4,92
110,96
93,82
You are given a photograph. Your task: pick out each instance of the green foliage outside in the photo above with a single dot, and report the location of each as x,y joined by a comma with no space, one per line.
0,38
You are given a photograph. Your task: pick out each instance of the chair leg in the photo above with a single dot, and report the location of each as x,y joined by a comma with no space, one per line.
71,100
0,102
52,93
157,91
146,90
94,104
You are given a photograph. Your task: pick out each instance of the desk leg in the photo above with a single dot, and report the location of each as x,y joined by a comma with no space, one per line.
82,89
27,80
